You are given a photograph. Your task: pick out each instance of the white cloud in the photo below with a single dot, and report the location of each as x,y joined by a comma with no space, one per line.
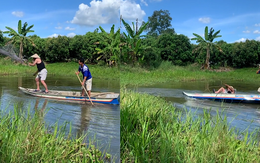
143,1
71,34
131,11
205,20
68,28
59,27
247,31
241,40
257,31
18,13
54,35
258,38
99,12
257,25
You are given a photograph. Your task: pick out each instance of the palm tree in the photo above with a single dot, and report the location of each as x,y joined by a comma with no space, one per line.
207,43
132,40
20,36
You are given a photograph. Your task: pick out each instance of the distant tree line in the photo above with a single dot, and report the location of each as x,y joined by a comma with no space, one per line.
96,47
160,43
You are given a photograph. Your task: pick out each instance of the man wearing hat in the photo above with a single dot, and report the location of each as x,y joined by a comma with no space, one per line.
41,70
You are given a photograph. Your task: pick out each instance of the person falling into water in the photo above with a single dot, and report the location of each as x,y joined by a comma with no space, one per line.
229,89
42,72
87,78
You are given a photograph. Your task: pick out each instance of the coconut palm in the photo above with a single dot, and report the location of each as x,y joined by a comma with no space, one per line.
207,43
20,36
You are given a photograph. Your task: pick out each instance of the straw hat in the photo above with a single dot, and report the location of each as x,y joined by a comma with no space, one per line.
35,56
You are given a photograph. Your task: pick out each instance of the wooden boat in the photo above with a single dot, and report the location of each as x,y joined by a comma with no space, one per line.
226,97
96,97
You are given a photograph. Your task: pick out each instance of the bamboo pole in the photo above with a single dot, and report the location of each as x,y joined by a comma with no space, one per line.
85,90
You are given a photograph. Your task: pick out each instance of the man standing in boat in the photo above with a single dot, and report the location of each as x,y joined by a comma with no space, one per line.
41,70
87,78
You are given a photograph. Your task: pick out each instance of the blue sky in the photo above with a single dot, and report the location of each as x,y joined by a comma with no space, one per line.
237,20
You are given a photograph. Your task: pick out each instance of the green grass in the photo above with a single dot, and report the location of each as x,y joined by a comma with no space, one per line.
7,67
152,130
166,72
25,138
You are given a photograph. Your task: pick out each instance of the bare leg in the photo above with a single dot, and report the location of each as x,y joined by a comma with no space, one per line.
221,90
89,93
37,83
45,85
82,92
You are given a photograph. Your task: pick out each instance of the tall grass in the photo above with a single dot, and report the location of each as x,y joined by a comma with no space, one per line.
8,67
152,130
167,72
25,138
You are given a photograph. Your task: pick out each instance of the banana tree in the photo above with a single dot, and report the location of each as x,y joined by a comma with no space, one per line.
132,41
20,36
207,43
110,51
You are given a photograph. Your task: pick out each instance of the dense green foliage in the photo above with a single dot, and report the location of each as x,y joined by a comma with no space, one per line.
25,138
132,50
1,39
95,47
152,130
159,23
161,43
109,46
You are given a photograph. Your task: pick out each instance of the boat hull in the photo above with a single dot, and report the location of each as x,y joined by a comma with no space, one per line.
71,96
226,97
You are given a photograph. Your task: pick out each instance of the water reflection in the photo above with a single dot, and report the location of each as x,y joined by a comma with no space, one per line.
239,115
84,119
40,111
99,121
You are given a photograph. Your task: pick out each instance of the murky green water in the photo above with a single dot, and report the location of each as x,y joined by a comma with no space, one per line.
100,121
239,115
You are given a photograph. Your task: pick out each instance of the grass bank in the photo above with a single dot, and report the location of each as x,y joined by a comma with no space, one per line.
166,72
152,130
7,67
25,138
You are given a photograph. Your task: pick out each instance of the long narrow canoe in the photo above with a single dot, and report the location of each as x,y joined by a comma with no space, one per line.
226,97
72,96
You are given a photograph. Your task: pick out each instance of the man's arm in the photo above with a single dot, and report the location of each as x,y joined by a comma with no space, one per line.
77,72
84,80
34,63
231,88
226,85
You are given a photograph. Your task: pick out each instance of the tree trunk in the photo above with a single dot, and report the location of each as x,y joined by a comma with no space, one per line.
207,59
21,50
14,57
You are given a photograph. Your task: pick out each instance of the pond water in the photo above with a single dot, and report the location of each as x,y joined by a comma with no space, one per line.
99,121
239,115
